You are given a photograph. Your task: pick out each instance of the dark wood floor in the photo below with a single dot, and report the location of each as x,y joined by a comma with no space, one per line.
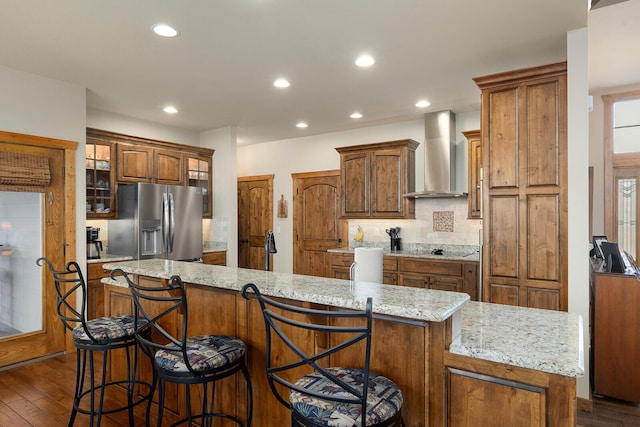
40,394
610,413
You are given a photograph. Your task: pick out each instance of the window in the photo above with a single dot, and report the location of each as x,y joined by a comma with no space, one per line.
622,169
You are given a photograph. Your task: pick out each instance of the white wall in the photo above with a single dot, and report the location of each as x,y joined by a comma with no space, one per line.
223,225
578,197
133,127
36,105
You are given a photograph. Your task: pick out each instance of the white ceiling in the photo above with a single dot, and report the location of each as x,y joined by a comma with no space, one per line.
219,71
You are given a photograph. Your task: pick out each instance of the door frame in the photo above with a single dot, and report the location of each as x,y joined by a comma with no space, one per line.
68,205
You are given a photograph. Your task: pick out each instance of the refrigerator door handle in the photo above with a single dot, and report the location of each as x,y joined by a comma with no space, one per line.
165,222
172,222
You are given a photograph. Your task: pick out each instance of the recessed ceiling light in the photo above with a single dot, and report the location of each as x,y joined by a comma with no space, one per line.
423,103
356,116
281,83
170,109
164,30
365,61
302,125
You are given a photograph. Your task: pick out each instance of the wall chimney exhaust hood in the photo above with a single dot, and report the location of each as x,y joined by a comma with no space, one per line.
439,157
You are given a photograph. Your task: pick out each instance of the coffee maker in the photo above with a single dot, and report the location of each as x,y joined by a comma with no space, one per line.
94,245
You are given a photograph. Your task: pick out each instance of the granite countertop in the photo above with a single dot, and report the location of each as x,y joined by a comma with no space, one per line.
407,302
109,258
450,252
208,247
544,340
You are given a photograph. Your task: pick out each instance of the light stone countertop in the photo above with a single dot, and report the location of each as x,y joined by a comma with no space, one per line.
544,340
413,250
412,303
109,258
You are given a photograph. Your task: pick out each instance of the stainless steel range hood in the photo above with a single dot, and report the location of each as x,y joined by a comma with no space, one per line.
439,157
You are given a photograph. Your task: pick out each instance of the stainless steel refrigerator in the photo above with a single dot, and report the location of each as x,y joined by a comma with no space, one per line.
157,221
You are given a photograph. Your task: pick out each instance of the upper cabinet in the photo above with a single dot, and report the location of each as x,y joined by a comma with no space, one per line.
524,188
474,174
375,177
100,193
199,175
134,159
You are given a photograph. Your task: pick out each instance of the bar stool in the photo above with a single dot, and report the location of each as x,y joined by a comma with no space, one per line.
326,396
96,336
183,359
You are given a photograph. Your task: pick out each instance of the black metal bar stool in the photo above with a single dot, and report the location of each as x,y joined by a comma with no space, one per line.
95,336
326,396
183,359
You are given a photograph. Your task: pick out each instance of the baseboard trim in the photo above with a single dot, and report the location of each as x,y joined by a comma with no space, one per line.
585,405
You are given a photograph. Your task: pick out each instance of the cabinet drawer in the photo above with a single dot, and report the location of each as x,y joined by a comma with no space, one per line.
389,263
447,268
341,260
215,258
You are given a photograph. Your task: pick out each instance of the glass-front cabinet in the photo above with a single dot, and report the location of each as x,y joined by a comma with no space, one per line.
100,179
199,175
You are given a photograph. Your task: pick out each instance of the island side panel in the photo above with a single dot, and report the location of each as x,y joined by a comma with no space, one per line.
397,352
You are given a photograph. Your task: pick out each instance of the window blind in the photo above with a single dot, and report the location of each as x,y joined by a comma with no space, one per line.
24,172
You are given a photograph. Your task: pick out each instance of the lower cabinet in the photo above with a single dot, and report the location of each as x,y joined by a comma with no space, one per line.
481,393
95,289
444,275
215,258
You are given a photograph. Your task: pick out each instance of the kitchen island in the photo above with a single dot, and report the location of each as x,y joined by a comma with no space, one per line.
421,340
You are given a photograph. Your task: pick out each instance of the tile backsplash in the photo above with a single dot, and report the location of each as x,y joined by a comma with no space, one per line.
438,221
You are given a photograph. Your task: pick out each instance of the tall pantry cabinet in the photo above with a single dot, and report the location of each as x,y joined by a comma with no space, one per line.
524,149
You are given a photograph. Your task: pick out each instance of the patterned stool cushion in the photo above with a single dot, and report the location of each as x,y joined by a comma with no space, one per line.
205,352
384,399
106,329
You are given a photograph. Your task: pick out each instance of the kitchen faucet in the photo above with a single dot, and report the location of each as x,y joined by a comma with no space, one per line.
269,248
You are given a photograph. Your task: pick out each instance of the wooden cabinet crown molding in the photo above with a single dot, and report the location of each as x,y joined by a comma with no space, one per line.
516,76
136,140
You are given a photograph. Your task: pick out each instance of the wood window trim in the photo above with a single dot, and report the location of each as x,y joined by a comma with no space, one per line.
611,161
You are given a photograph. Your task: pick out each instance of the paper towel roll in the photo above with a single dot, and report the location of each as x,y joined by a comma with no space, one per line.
368,265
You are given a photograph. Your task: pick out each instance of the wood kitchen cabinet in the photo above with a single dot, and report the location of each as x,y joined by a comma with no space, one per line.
199,175
375,177
215,258
100,183
134,159
445,275
138,163
95,290
474,173
524,187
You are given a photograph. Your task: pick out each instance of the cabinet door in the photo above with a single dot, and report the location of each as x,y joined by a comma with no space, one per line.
199,173
168,167
474,175
387,169
356,202
99,179
135,163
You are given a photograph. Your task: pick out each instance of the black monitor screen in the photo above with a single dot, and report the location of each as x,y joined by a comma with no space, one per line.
613,260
